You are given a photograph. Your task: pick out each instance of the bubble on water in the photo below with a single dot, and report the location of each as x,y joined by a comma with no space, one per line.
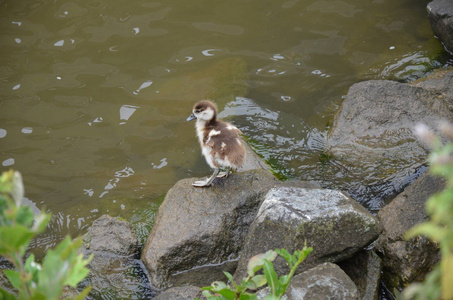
27,130
8,162
285,98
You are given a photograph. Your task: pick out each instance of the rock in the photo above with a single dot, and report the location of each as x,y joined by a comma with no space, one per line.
364,269
180,293
326,281
252,160
440,14
333,224
114,269
408,260
113,235
201,228
372,133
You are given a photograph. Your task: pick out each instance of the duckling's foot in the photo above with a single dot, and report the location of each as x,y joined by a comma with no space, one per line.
201,183
224,174
208,181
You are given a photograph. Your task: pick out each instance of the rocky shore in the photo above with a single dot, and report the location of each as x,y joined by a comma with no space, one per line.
198,233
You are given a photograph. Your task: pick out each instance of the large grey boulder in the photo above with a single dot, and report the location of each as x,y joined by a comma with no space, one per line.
114,270
440,13
372,133
326,281
203,229
333,224
408,260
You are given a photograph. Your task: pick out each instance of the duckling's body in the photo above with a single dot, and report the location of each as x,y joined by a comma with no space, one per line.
221,142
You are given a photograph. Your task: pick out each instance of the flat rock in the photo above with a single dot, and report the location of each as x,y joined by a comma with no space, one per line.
440,14
408,260
333,224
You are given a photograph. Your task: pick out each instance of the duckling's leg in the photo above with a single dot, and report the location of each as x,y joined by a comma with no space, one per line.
225,174
208,182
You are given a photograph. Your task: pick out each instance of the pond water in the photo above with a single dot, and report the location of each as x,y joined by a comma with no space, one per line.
95,94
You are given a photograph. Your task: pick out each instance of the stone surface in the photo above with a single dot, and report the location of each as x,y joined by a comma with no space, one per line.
440,14
408,260
113,235
333,224
372,133
364,269
114,267
326,281
202,227
252,160
180,293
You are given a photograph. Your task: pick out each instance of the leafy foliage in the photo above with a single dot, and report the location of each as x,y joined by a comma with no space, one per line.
62,266
248,287
438,284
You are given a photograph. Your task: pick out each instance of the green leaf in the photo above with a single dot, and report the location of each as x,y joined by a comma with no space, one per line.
247,296
62,266
17,188
228,275
430,230
259,280
14,239
4,295
284,279
32,268
83,294
25,216
447,276
250,285
227,293
256,262
302,255
13,277
218,285
271,277
41,222
285,254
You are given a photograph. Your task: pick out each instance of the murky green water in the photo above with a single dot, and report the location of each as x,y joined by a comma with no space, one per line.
94,94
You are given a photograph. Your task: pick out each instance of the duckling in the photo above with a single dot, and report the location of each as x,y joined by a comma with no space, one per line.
221,142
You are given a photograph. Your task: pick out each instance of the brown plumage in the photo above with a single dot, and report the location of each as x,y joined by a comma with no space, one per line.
220,142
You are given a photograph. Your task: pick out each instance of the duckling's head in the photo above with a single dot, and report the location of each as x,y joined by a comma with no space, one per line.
203,110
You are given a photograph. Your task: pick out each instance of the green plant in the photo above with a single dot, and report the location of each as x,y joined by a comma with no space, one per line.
249,285
439,283
62,266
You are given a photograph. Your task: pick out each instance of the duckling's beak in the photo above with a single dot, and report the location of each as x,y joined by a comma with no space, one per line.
191,117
